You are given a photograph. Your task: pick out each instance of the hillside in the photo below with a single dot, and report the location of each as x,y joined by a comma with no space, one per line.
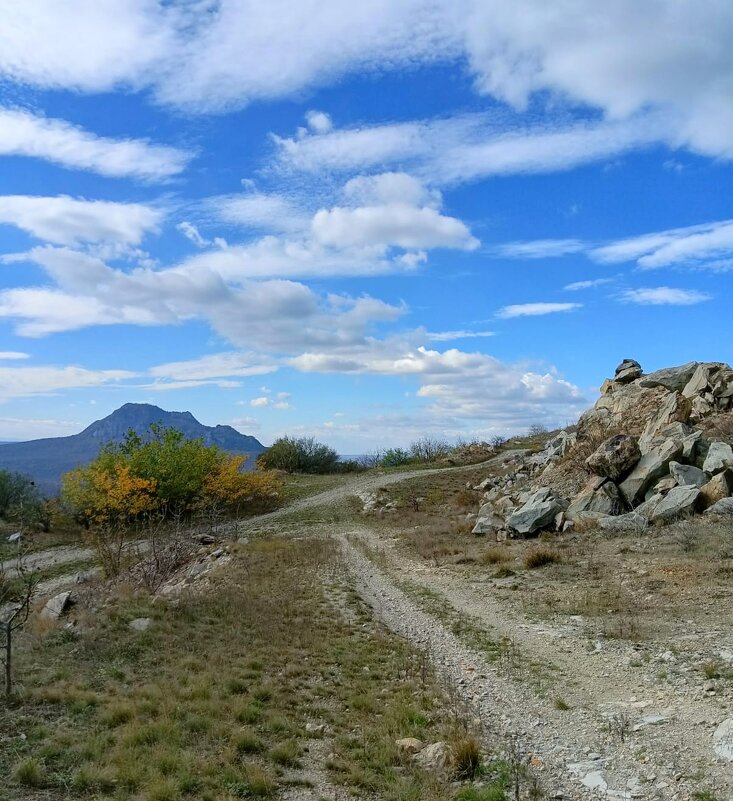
46,460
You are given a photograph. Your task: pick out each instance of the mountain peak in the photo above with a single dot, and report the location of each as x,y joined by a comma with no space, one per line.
46,460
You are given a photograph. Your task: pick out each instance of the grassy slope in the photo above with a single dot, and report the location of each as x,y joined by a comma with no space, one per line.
212,701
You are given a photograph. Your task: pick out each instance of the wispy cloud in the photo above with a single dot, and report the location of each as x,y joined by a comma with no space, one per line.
449,336
665,296
535,309
577,286
60,142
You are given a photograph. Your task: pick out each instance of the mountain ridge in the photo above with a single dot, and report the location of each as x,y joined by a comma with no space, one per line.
46,460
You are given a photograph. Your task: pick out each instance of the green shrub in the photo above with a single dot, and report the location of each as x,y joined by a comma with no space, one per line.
29,773
395,457
299,455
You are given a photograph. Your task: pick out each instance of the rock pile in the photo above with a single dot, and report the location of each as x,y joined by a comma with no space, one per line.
654,466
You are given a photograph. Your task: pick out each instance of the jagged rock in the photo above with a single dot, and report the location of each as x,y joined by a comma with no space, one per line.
675,408
599,495
56,606
615,457
723,739
674,379
629,370
631,521
648,469
724,508
434,758
662,487
488,522
647,509
720,486
719,457
505,505
686,474
692,445
677,502
536,513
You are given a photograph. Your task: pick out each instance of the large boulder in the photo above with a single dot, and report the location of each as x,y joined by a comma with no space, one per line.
674,411
677,502
615,457
487,521
598,495
724,508
719,457
674,379
685,474
536,513
56,606
651,467
631,521
629,370
720,486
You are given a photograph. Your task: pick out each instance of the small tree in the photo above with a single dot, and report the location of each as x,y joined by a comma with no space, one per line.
299,455
16,596
429,449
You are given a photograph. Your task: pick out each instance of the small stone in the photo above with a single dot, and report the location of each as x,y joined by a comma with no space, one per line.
56,606
435,757
140,623
13,538
319,728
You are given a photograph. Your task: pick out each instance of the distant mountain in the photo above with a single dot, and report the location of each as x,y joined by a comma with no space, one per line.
46,460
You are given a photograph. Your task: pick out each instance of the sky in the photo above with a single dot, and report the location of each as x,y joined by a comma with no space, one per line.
365,222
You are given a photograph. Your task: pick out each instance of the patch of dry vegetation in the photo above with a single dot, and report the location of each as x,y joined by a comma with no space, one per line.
212,701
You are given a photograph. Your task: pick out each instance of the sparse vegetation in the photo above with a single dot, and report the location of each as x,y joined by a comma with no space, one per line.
299,455
540,556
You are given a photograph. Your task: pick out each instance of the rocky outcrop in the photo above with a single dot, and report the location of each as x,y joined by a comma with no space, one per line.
657,466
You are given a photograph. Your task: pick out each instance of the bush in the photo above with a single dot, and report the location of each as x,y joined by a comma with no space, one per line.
20,500
540,556
299,455
163,478
395,457
466,754
429,449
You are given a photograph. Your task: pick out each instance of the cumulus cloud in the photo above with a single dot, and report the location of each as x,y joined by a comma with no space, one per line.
57,141
208,59
260,402
66,221
535,309
665,296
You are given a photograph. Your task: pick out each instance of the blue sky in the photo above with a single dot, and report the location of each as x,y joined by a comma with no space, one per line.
363,223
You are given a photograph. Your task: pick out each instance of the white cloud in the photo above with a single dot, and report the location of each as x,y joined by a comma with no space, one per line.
541,248
215,365
57,141
535,309
694,244
65,221
449,336
261,402
665,296
460,386
211,58
259,211
13,355
318,121
470,147
192,233
590,284
391,224
20,382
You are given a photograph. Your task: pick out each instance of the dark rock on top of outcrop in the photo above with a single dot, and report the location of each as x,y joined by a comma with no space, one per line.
672,378
629,370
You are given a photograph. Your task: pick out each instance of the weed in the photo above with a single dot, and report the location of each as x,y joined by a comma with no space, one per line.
539,556
496,556
29,773
466,754
561,704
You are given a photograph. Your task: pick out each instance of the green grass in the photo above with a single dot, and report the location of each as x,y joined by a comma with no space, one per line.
212,702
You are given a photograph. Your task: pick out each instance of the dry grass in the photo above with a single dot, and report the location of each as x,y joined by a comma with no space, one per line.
540,556
212,701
